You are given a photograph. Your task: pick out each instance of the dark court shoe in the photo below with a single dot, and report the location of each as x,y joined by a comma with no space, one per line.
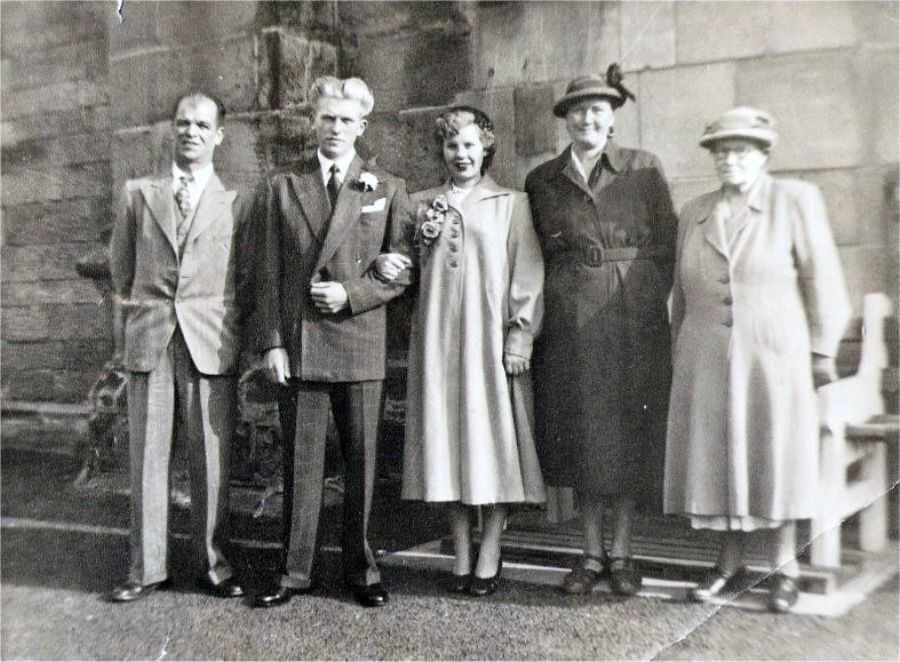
131,591
280,596
624,579
460,583
783,595
229,588
372,595
483,586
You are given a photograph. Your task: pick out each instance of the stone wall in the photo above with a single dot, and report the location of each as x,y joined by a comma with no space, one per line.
87,101
56,192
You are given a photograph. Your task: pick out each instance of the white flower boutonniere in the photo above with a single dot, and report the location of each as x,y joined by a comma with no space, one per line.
366,182
430,221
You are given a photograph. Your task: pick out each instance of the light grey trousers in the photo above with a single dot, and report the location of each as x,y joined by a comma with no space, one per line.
205,406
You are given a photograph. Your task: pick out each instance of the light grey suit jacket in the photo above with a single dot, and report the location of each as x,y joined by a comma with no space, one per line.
199,291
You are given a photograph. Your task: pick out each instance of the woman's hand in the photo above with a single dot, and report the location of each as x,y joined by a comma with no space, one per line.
278,367
390,265
515,365
824,370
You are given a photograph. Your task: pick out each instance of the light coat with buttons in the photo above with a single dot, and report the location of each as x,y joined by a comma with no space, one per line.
747,312
200,285
469,425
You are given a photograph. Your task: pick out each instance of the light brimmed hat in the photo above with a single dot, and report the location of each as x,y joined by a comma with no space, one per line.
742,122
593,86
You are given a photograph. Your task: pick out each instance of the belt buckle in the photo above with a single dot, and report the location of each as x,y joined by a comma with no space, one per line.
594,255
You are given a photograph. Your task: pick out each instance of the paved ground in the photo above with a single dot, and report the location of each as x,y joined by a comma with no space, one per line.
61,548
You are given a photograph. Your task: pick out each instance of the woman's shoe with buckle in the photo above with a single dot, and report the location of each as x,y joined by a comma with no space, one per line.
582,579
624,579
783,595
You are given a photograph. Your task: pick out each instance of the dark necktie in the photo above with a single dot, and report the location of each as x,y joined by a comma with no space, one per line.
334,185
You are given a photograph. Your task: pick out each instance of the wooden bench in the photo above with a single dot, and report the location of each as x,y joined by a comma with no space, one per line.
853,454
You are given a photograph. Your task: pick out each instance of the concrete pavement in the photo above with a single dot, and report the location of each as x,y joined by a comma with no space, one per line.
61,548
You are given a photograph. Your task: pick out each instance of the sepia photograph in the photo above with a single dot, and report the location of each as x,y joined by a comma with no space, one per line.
449,330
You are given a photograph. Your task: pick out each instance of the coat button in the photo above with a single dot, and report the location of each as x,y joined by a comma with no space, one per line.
454,234
727,301
455,221
453,248
454,263
725,280
729,322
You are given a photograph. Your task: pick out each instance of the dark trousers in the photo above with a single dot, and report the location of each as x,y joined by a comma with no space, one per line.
304,408
205,405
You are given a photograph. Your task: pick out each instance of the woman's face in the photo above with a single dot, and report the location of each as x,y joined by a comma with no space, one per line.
738,162
588,122
464,154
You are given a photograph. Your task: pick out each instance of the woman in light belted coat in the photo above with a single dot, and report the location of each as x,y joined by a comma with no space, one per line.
607,228
469,425
758,310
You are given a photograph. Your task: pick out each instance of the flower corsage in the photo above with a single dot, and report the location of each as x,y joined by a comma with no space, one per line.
430,221
366,182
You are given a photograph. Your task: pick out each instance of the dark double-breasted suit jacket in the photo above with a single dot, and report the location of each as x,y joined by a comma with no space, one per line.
301,242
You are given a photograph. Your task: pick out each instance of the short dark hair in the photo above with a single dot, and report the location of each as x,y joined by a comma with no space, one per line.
220,105
456,117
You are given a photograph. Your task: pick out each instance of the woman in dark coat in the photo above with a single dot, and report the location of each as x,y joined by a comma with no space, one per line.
607,229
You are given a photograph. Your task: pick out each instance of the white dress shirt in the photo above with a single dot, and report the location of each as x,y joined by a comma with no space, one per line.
342,162
197,186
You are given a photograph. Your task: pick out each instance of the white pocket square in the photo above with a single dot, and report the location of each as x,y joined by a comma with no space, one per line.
378,205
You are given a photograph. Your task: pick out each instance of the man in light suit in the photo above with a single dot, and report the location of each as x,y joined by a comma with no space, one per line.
174,263
322,316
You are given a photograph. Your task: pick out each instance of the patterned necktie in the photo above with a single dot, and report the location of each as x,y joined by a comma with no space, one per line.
183,196
334,185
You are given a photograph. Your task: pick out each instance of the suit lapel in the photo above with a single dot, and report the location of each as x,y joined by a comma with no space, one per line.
211,207
711,226
569,172
757,201
487,188
310,193
345,215
161,203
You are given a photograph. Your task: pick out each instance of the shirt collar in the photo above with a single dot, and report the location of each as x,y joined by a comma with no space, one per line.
343,163
201,176
610,158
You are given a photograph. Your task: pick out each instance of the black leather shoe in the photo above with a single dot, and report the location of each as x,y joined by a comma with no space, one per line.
482,586
280,596
373,595
131,591
460,583
783,595
228,588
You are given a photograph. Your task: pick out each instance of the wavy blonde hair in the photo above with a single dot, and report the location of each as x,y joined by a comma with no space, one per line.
354,89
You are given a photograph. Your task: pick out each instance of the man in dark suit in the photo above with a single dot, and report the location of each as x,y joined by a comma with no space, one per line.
322,317
174,264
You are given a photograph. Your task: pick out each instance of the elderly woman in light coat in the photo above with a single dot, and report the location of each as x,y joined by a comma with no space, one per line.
758,310
469,439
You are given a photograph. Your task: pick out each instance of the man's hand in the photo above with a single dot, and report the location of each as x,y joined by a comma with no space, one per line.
328,297
390,265
515,365
278,368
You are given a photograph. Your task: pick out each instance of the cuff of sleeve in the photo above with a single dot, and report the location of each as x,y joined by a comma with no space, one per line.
356,298
518,342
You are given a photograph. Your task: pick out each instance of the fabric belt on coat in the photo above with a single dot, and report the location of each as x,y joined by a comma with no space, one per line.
594,256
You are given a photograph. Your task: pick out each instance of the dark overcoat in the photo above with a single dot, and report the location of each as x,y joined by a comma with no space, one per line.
602,364
301,243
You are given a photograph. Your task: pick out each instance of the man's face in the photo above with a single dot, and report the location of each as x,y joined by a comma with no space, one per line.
197,131
338,122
